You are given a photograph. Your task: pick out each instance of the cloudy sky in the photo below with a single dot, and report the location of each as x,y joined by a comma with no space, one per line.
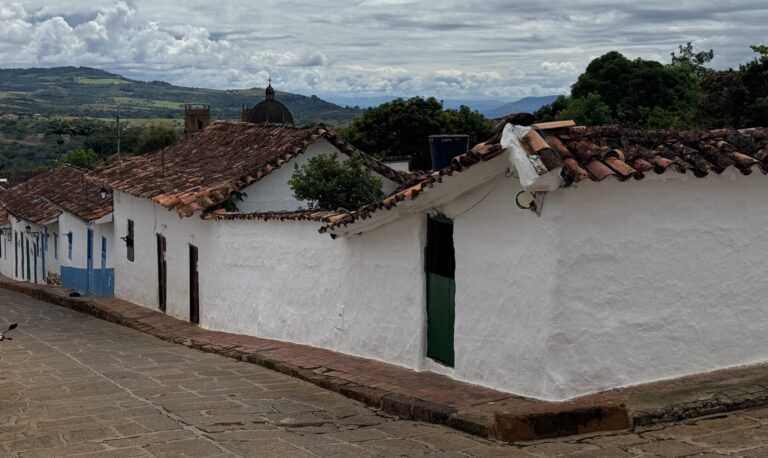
472,49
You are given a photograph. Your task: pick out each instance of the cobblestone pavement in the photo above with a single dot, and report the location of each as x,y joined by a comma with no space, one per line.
73,385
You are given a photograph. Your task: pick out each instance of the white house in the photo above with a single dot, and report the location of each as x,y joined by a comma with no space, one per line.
164,259
639,261
551,262
60,227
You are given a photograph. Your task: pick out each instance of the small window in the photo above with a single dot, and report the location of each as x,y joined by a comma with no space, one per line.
69,245
55,245
103,252
129,240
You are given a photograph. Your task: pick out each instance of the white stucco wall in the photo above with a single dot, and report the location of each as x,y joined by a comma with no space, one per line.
137,281
12,256
7,256
79,228
615,284
52,263
361,295
272,193
282,280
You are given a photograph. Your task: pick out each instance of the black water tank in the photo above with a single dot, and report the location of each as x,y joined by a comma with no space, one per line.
446,147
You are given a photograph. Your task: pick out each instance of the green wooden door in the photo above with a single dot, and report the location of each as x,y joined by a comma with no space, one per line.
440,264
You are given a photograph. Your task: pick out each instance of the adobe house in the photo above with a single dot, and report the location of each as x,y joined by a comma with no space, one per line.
167,253
60,227
563,260
551,261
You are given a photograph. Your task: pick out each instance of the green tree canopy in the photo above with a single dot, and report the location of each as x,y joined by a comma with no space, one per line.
84,158
158,135
328,184
402,127
631,87
589,110
736,98
694,62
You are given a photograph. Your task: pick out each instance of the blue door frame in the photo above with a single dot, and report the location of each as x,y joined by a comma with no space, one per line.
89,273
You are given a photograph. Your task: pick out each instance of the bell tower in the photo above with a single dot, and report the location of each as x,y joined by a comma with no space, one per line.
196,118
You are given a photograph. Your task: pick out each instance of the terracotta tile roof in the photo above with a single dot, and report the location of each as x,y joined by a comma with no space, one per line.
597,153
307,215
4,218
204,169
15,177
480,153
41,198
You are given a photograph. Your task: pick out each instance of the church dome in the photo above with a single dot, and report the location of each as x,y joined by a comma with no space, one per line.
270,110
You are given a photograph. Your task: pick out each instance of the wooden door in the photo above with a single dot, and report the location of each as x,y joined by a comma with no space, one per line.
162,273
440,266
194,287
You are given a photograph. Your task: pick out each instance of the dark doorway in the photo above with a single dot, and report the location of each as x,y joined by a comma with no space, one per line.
440,264
35,253
194,287
26,254
162,272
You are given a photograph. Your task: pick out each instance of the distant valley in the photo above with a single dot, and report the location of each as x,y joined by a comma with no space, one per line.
31,97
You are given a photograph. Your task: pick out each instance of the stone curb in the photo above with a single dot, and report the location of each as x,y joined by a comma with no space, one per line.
540,421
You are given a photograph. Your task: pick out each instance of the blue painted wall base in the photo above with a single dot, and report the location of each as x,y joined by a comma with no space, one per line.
102,281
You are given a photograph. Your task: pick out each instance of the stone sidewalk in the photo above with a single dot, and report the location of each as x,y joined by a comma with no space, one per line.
436,398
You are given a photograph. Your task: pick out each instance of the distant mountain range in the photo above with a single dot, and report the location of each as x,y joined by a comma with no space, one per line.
524,105
89,92
489,108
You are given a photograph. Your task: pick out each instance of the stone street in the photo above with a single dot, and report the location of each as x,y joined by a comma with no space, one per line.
73,385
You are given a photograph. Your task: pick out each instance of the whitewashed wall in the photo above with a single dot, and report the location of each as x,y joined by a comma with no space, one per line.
7,258
362,295
52,262
137,281
79,228
272,193
12,256
615,284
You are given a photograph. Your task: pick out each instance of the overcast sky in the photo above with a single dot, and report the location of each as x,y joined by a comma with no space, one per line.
450,49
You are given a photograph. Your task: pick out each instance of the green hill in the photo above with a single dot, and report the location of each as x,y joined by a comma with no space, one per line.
30,98
88,92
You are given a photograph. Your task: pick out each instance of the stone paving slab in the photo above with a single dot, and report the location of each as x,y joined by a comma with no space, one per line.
167,400
431,397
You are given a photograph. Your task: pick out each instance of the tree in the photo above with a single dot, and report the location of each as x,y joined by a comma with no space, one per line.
85,128
402,127
59,128
631,87
636,93
84,158
736,98
158,135
549,112
693,61
328,184
589,110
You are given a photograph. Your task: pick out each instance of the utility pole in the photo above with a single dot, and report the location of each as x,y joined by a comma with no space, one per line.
118,131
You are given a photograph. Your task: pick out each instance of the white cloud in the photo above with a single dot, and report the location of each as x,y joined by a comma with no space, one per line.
560,68
483,48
